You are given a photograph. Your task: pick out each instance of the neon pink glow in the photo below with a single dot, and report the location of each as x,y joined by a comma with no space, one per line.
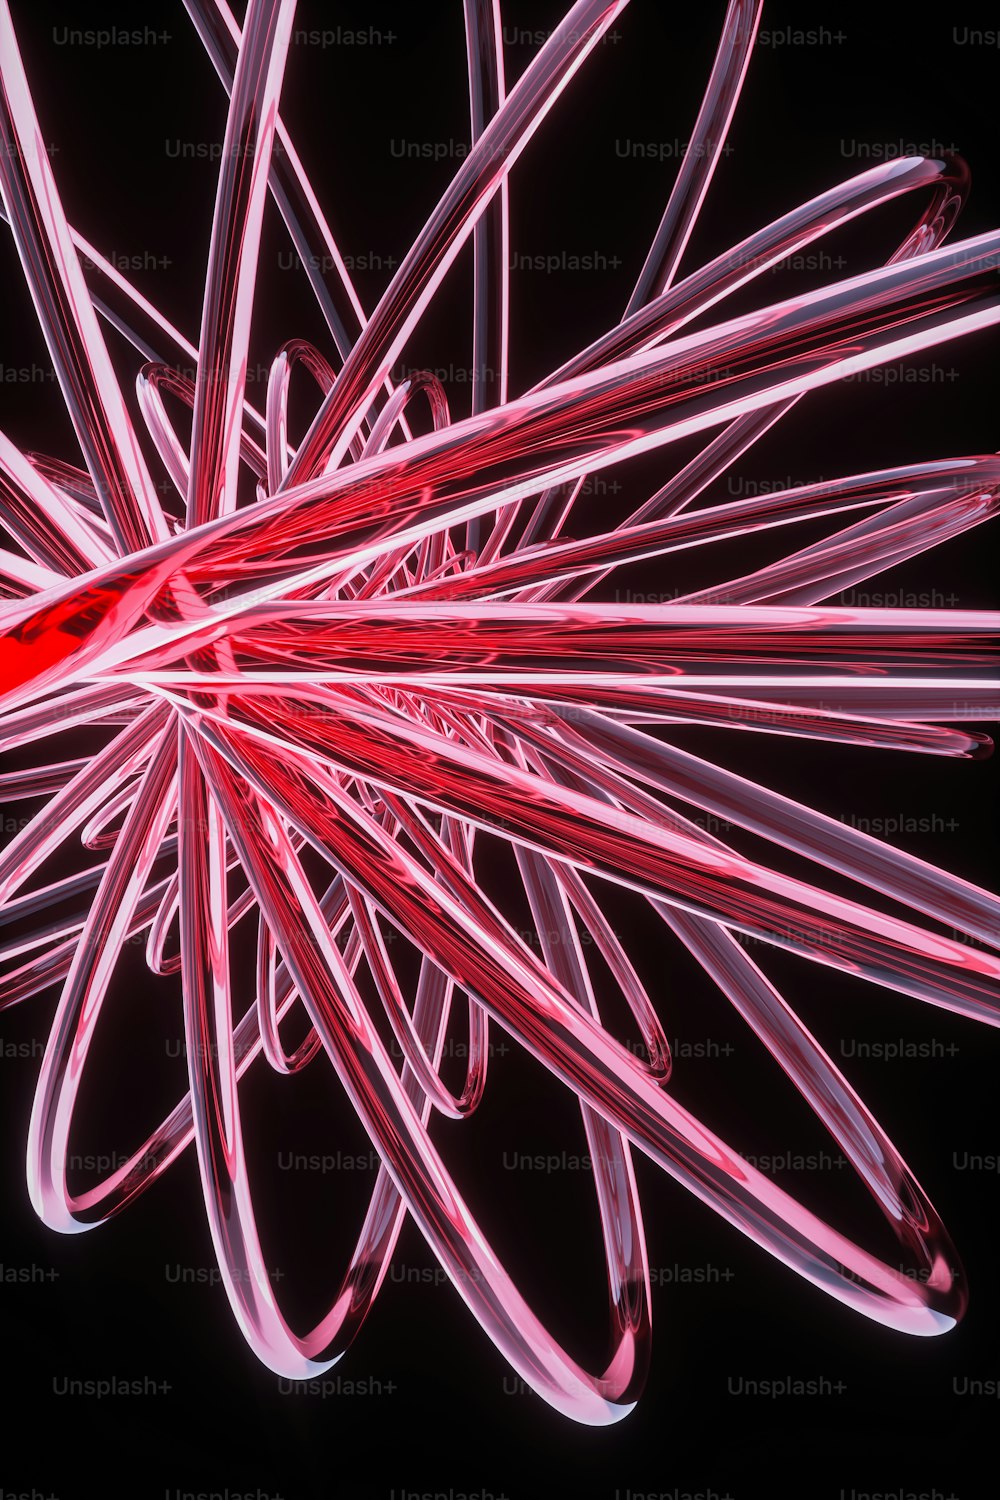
397,650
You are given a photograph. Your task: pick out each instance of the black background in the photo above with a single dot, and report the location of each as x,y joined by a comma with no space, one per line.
435,1410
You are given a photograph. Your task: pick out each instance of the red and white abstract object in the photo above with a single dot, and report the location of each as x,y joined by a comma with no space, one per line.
394,647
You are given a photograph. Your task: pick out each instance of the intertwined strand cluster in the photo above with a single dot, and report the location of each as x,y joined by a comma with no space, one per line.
391,648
